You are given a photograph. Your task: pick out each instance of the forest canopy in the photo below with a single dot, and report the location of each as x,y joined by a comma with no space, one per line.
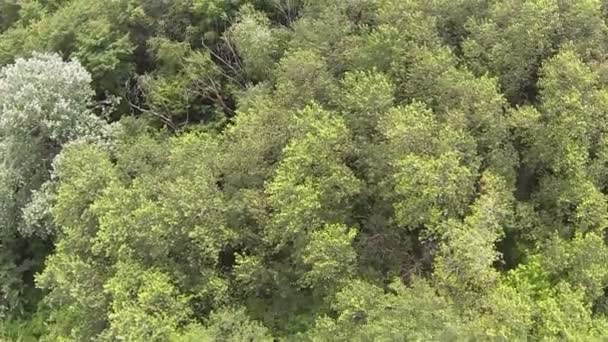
303,170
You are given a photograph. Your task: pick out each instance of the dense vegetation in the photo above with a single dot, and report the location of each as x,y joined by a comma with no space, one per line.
306,170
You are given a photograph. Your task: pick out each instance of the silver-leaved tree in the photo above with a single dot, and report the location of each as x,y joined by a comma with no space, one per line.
45,103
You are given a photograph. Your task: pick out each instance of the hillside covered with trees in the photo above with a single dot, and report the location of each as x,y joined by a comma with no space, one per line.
303,170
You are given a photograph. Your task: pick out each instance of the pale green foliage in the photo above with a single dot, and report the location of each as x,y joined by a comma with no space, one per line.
465,259
416,130
431,164
409,19
377,49
583,25
255,42
452,16
365,312
508,314
559,309
158,212
312,186
567,90
468,103
145,305
84,171
512,41
410,130
256,141
229,325
330,255
518,35
303,77
138,216
579,262
565,136
78,29
431,190
566,315
364,97
328,32
75,307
